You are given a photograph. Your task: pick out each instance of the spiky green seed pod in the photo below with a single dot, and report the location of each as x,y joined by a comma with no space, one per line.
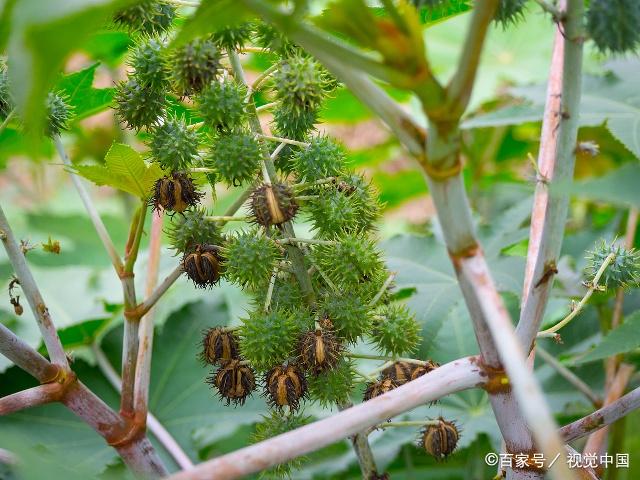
623,271
395,330
351,260
138,106
6,101
268,339
343,210
147,17
222,104
236,157
250,258
299,83
59,112
276,424
234,37
192,228
148,63
272,39
509,12
174,145
286,293
322,158
429,3
333,386
273,204
294,125
194,66
348,314
614,25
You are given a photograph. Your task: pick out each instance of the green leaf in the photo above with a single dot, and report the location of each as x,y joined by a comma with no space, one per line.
85,99
443,11
43,34
611,100
211,16
125,170
82,334
623,339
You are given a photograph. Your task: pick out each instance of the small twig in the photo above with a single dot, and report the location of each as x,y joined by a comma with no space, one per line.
160,290
202,170
32,293
259,81
322,181
91,209
383,289
7,120
163,436
181,3
277,151
408,423
571,377
252,49
312,241
25,357
284,140
576,309
31,397
227,218
272,282
266,106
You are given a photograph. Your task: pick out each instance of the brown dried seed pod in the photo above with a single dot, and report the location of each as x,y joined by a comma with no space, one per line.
234,381
273,204
440,439
375,389
203,265
175,193
286,385
218,345
319,350
403,372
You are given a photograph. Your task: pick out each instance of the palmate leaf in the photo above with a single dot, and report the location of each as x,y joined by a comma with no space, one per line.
125,170
81,95
623,339
611,100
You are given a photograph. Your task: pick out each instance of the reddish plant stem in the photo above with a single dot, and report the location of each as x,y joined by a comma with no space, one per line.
31,397
143,368
26,357
602,417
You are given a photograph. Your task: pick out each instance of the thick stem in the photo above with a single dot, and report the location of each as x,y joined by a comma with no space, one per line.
602,417
32,397
101,230
32,293
143,362
452,377
158,430
361,446
26,357
129,348
557,201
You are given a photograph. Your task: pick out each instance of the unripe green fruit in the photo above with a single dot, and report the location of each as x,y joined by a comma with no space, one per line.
614,25
286,293
294,125
236,157
277,424
59,113
322,158
139,106
250,258
623,271
395,330
150,69
271,39
509,11
192,228
351,260
299,83
268,339
222,104
6,102
429,3
333,386
234,37
348,314
194,66
174,145
147,17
